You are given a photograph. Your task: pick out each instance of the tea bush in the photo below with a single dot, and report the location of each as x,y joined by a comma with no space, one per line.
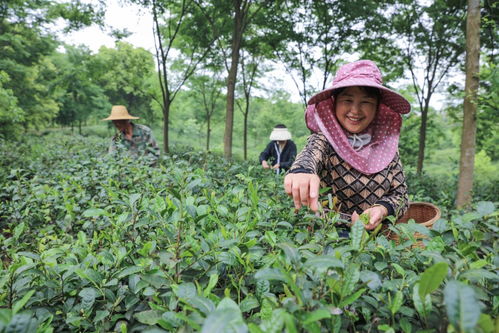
90,243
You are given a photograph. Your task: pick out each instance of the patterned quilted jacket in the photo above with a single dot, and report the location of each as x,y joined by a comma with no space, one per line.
354,190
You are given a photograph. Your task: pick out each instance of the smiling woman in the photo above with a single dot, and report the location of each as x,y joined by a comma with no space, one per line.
353,150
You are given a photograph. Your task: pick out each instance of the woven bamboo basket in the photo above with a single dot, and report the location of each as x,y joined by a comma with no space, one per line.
423,213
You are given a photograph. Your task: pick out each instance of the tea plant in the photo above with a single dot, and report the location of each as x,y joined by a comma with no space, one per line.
91,243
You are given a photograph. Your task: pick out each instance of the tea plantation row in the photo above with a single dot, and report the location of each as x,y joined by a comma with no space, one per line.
89,243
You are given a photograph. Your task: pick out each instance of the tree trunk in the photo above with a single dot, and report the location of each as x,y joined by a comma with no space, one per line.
231,79
79,127
208,131
468,137
422,137
166,116
245,135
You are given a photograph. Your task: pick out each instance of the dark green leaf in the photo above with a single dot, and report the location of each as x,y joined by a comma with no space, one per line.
431,278
316,315
270,274
19,304
485,208
149,317
463,309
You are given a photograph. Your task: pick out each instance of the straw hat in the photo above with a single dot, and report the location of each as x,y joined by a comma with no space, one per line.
119,112
280,133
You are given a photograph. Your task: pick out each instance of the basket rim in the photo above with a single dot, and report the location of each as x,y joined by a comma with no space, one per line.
430,222
423,203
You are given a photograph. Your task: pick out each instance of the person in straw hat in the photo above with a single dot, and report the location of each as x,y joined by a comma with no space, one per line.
353,148
281,150
135,139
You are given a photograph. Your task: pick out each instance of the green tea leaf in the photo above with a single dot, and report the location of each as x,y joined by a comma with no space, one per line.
226,318
223,321
418,302
397,301
477,275
129,271
291,252
95,212
270,274
485,208
324,262
351,277
486,323
399,269
248,304
356,233
19,304
478,264
352,298
440,226
431,278
18,230
262,287
148,317
100,315
132,199
371,278
211,284
88,296
21,323
254,329
186,290
405,325
289,322
463,308
203,304
266,310
316,315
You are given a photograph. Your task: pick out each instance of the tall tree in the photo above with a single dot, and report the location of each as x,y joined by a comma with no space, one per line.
182,41
249,70
27,74
468,137
11,115
233,21
81,96
321,33
431,43
125,73
241,12
207,90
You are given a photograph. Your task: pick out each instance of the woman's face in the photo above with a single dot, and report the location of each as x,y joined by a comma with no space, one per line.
355,109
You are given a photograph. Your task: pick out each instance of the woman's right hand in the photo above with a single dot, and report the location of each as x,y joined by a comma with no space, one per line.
304,188
265,165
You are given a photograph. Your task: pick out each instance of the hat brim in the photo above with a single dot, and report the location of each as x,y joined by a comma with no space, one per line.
390,98
120,118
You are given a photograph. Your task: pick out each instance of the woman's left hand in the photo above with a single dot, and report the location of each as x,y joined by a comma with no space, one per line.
275,166
376,215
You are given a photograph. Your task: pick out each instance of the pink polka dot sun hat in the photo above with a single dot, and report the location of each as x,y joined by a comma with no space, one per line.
385,128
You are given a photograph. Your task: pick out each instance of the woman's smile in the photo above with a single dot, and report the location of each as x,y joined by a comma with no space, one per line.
355,109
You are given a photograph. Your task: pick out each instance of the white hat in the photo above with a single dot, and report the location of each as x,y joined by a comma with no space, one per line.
280,134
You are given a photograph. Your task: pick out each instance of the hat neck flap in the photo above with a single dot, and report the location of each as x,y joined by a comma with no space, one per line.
371,158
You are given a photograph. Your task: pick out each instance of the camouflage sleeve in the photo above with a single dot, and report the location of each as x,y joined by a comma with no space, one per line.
397,197
312,158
